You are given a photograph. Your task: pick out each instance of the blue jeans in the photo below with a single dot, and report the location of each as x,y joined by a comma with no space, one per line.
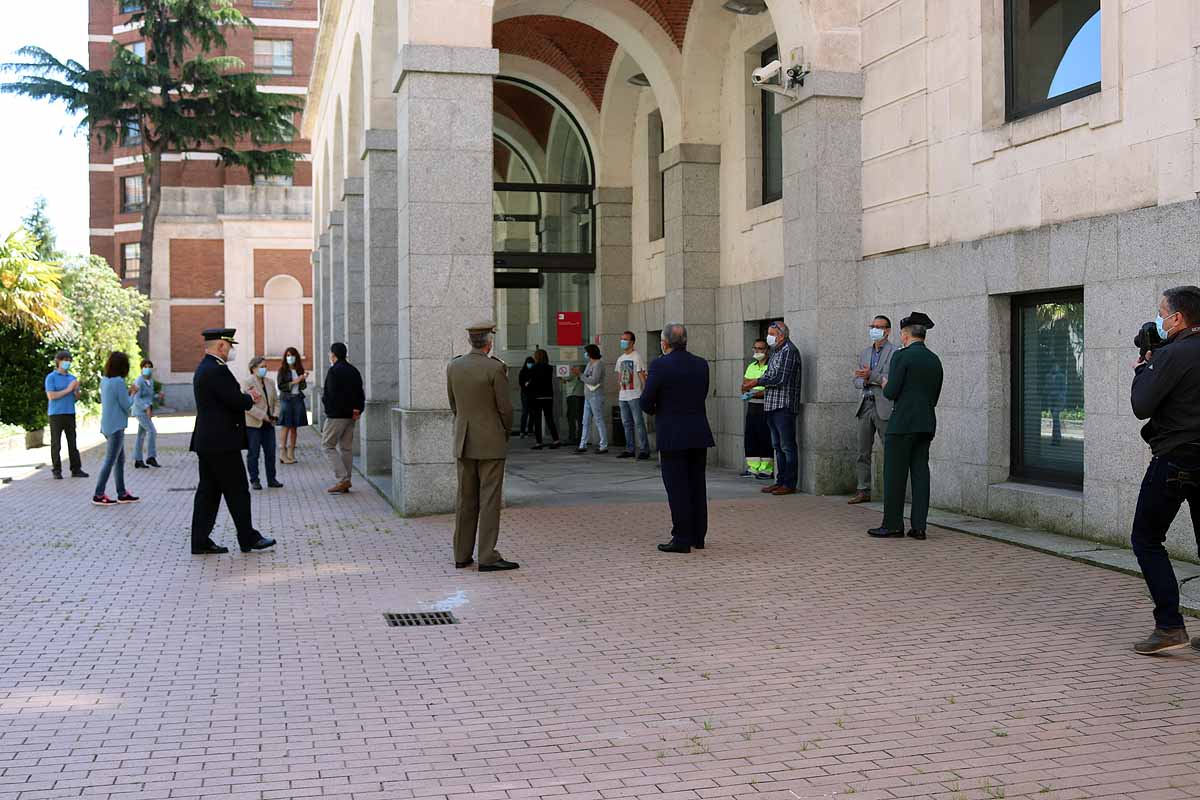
1159,502
147,434
782,423
593,411
261,438
114,460
631,419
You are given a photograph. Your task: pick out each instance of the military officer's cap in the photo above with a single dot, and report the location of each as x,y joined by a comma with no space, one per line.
916,318
220,335
482,327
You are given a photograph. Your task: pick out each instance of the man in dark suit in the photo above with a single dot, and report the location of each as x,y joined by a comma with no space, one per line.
913,385
675,391
218,441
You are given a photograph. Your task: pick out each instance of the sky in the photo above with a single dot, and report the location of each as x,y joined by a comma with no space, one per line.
1081,63
40,151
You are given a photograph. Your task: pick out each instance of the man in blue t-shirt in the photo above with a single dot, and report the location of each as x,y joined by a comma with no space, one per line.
62,390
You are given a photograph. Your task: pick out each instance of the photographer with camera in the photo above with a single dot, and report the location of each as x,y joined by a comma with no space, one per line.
1166,390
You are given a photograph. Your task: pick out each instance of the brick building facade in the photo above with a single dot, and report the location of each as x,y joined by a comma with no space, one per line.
228,251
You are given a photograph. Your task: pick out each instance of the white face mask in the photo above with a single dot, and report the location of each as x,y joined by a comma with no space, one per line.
232,355
771,339
760,356
876,334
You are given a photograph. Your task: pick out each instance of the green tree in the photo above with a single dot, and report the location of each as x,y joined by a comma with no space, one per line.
26,358
29,287
182,98
37,223
102,316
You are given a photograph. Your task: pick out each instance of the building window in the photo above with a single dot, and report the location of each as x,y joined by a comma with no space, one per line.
283,315
1051,53
656,181
272,180
772,139
272,3
131,261
131,6
133,195
131,136
1047,403
273,56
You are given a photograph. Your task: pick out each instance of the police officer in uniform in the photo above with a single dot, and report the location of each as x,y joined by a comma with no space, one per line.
477,385
913,385
1166,390
218,441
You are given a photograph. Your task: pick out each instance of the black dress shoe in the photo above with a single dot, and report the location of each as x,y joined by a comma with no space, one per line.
210,548
884,533
262,544
79,474
498,566
274,485
699,546
57,475
918,534
256,485
671,547
153,462
140,465
462,564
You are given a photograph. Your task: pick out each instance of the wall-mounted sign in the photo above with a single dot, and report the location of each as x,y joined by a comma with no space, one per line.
570,328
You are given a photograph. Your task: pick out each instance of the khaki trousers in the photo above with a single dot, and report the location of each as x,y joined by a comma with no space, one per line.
480,492
869,425
337,440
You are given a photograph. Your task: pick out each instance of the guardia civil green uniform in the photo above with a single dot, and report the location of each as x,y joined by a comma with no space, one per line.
914,385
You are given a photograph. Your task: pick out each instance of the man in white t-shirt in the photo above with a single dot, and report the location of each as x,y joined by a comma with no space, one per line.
631,379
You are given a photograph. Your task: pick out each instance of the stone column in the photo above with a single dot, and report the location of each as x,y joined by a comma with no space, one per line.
318,330
612,285
822,249
692,211
378,362
444,212
353,231
319,360
337,283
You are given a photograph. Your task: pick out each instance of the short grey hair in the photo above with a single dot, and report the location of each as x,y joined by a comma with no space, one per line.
782,327
479,340
916,331
675,334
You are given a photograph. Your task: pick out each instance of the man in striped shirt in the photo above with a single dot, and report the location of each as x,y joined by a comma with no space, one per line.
781,404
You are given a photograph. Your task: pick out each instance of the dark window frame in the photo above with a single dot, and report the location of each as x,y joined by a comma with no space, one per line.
1018,470
131,134
1013,111
126,206
656,145
768,194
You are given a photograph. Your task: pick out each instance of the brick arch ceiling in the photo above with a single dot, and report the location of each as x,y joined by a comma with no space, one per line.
578,51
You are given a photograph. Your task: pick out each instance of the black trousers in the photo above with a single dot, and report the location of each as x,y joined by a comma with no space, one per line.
574,418
687,494
1158,503
905,455
222,475
60,424
544,407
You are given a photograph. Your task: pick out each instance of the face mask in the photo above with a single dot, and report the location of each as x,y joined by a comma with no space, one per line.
66,366
291,360
624,344
876,334
529,365
771,339
147,371
262,372
1159,322
232,355
759,356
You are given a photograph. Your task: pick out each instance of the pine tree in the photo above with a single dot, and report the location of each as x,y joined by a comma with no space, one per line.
185,97
38,224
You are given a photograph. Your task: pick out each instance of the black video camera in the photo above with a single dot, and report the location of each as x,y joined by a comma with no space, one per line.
1147,339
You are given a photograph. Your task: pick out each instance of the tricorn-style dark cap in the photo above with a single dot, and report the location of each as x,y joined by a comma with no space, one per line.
917,318
220,334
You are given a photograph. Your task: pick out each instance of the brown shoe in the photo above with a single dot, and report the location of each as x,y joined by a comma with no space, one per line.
1162,640
770,489
782,490
341,487
860,497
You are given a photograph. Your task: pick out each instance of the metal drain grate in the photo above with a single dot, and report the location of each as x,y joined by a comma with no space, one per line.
420,618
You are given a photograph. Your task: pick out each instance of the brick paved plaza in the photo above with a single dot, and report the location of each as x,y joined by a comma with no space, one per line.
794,658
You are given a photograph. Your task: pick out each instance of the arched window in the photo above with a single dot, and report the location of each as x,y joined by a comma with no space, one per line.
283,315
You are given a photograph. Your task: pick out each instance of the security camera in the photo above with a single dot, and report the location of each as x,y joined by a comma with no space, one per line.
767,74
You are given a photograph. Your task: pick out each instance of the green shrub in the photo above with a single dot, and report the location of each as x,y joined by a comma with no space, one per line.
27,359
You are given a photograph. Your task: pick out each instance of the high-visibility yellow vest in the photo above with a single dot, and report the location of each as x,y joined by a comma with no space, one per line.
753,372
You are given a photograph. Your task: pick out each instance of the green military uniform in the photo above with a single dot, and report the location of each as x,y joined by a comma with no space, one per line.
914,384
477,386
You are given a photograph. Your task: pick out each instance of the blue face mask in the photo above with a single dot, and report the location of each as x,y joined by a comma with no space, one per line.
624,344
1159,322
262,372
66,366
291,359
876,334
147,371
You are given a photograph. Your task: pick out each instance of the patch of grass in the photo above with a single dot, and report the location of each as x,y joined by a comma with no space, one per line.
708,725
749,732
706,675
951,699
999,732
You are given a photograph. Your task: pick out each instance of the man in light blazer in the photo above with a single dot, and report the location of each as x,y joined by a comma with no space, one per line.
874,408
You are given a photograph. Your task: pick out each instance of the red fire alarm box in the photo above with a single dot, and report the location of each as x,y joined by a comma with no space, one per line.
570,329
